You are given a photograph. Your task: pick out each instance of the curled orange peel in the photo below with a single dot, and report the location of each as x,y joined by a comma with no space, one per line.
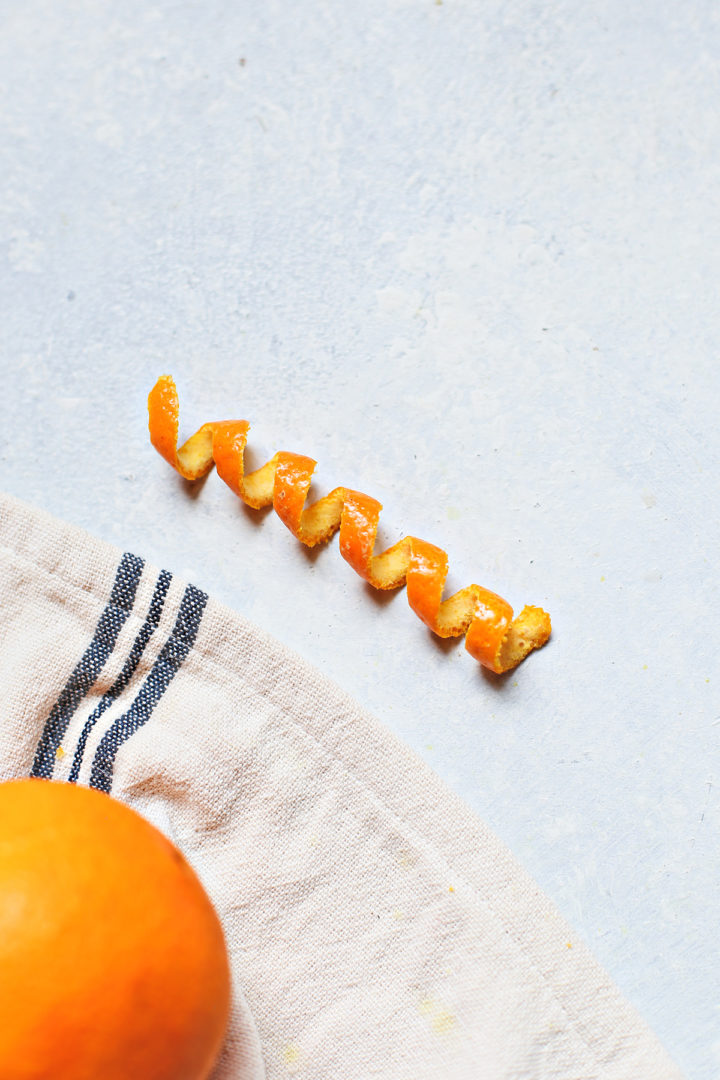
492,636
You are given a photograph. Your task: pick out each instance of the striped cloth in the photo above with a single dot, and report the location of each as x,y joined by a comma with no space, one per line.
85,674
376,928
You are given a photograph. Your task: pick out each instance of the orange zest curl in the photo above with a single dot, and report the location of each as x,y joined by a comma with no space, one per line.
492,636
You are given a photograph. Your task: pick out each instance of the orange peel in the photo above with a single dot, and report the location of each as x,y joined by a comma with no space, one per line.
492,636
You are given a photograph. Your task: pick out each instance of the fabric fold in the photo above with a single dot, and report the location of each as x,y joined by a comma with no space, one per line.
376,927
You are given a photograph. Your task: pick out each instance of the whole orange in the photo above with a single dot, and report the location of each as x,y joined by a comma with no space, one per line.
112,960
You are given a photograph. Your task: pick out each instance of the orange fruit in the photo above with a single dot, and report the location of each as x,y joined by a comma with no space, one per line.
112,959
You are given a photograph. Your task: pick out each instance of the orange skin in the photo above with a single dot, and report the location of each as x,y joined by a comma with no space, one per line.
492,636
112,959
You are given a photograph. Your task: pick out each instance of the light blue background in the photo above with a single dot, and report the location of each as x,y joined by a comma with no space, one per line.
467,256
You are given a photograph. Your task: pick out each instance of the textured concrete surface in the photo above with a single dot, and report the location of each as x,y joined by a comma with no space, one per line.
466,255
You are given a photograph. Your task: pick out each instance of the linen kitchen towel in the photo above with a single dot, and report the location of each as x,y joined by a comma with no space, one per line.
376,927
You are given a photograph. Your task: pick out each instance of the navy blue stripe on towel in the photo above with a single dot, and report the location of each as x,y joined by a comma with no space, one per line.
168,663
146,631
87,670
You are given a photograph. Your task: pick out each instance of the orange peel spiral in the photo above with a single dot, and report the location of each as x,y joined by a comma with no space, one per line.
492,636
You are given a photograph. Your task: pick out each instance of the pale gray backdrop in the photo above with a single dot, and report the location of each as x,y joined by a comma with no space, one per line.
466,254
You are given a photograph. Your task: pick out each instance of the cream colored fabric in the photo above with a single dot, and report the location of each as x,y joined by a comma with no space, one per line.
376,927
